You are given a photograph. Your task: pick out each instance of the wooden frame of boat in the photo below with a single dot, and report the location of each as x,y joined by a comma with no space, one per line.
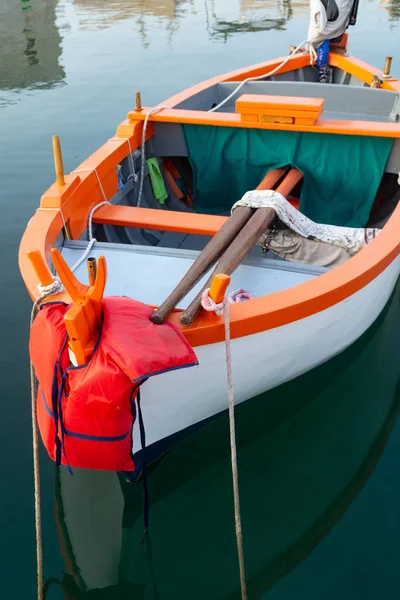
277,327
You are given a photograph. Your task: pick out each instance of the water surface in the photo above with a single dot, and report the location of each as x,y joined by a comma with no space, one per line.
318,466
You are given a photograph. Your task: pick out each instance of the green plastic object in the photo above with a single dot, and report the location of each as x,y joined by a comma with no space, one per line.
341,172
157,180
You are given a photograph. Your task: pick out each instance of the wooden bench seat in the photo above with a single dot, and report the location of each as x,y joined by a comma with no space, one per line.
162,220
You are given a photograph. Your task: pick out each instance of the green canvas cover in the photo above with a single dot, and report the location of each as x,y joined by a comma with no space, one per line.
341,172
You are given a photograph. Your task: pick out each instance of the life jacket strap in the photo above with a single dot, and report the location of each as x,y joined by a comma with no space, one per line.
146,509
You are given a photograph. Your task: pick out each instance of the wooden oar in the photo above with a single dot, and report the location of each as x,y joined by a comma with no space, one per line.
242,244
212,251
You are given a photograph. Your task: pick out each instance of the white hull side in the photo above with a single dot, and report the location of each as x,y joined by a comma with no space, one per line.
174,401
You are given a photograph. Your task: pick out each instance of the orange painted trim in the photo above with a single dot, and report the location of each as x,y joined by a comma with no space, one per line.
72,202
163,220
370,128
362,71
255,315
304,300
40,234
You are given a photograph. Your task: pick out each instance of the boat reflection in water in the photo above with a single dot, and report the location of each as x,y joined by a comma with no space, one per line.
306,450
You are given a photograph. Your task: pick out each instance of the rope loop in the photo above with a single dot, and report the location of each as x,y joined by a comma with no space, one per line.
56,287
209,305
239,295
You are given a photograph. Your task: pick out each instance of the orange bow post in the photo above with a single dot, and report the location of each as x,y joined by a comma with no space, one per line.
84,318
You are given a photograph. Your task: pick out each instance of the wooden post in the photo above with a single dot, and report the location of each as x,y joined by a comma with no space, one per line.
58,162
387,67
138,102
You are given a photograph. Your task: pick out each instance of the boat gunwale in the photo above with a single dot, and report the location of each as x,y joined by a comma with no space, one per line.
347,63
251,317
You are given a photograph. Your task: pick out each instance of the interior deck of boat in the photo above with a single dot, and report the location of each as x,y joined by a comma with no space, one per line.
136,257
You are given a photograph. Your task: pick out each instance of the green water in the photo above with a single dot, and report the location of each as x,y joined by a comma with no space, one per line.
318,458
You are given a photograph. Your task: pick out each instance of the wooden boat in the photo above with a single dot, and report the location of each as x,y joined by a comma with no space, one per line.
344,138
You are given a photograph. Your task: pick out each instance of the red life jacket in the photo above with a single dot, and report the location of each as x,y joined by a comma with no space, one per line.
86,413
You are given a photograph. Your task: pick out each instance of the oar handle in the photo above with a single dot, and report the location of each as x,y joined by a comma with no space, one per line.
233,256
242,244
213,250
205,260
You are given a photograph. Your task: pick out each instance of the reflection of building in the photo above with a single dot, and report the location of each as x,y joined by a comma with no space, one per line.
393,8
29,44
105,12
295,7
259,15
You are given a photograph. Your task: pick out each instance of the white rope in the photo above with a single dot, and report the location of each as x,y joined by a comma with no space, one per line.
61,213
56,287
209,305
84,255
62,218
98,179
92,240
142,166
133,175
313,56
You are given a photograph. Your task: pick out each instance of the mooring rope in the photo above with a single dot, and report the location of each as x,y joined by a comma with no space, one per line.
223,308
54,288
45,291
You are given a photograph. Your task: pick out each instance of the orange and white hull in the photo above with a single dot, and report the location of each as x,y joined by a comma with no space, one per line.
278,335
175,401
